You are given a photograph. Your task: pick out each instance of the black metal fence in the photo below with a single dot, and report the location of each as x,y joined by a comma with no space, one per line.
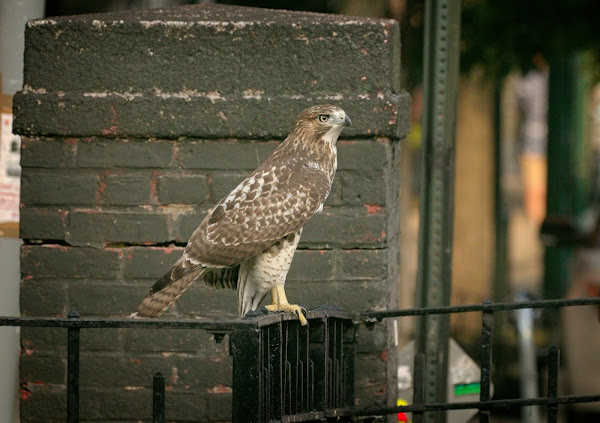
284,372
485,405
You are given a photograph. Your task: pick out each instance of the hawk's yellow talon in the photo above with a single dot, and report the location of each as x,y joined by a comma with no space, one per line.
280,303
289,308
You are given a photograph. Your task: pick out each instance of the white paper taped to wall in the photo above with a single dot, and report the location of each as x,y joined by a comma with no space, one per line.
10,171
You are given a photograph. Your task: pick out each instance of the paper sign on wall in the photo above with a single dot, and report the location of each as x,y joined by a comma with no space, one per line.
10,176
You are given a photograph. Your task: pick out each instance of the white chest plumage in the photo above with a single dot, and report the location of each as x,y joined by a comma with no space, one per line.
263,271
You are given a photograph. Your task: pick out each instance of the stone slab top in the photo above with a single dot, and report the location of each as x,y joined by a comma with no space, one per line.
208,70
217,14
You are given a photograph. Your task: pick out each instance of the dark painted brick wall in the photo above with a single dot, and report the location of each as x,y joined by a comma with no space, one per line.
134,125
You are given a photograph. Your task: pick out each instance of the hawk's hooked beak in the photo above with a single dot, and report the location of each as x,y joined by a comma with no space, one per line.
347,121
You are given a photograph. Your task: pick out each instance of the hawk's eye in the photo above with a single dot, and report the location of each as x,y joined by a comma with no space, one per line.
323,118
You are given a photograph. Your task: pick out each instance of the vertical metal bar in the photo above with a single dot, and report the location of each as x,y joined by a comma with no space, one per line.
553,363
290,387
349,356
276,368
329,363
73,371
158,398
418,377
440,81
246,344
318,356
487,326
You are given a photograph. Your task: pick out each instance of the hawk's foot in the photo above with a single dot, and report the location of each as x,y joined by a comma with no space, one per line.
280,303
290,308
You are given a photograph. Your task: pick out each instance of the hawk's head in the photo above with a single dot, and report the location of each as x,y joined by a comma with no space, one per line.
321,121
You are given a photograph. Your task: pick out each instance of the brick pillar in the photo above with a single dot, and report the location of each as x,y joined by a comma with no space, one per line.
134,125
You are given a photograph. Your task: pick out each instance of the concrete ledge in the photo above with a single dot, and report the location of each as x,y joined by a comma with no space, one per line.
197,115
232,49
208,70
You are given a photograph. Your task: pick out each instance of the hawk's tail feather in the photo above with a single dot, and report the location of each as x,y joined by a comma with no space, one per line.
165,292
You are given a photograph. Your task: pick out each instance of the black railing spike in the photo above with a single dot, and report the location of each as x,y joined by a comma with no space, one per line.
158,398
73,371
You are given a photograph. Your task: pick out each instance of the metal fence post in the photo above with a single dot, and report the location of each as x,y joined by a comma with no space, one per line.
248,380
158,398
487,326
440,87
73,371
553,363
419,375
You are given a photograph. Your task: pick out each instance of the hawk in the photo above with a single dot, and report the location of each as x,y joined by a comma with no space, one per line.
247,241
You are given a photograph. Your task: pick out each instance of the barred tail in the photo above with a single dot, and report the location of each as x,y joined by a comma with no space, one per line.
165,292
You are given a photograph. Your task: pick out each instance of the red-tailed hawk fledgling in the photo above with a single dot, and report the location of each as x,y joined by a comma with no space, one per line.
249,238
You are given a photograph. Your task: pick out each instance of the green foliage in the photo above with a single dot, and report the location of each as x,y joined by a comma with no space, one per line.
505,35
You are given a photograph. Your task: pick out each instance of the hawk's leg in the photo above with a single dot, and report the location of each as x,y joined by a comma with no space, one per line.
280,303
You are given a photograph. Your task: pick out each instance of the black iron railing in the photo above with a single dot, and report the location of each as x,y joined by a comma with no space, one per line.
485,405
283,372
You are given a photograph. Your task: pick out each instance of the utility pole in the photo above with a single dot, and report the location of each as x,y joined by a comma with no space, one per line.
440,91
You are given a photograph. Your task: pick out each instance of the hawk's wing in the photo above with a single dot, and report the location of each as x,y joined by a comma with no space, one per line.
276,200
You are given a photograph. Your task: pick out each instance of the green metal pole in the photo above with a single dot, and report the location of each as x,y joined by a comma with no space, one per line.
568,162
440,89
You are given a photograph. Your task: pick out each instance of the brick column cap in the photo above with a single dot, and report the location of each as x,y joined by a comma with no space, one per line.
208,70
